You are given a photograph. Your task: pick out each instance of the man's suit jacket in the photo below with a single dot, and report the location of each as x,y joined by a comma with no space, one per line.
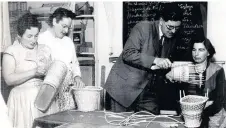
131,72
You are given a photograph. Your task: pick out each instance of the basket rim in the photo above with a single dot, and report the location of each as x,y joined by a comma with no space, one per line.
187,96
182,62
59,61
192,114
87,88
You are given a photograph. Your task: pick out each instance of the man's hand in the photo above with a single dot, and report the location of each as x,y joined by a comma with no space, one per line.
208,103
78,82
163,63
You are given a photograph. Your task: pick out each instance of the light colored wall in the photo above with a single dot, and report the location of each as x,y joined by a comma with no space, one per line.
216,28
108,26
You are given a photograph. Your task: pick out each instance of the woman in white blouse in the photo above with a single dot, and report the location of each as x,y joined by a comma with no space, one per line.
22,69
62,48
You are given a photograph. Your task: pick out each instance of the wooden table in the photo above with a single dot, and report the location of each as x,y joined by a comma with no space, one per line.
95,119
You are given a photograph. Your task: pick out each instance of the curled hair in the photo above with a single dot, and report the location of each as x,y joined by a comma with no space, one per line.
171,11
27,21
59,14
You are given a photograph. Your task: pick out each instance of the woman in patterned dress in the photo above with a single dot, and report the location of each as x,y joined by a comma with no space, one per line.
63,49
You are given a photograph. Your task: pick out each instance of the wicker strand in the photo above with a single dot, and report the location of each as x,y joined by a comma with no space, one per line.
135,119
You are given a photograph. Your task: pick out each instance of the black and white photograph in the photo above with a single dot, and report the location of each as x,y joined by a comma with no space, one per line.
121,64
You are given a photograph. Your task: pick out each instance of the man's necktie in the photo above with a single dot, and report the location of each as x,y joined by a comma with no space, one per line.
160,46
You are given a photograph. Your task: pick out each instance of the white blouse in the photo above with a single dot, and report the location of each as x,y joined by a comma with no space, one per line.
61,49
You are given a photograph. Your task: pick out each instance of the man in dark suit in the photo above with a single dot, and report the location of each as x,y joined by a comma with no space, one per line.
132,84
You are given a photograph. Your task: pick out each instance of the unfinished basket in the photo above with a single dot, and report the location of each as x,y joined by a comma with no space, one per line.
192,107
52,82
87,98
181,71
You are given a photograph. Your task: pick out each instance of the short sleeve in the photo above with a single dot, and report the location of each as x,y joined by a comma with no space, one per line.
10,50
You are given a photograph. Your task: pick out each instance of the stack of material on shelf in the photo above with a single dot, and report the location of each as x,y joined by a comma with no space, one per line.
48,8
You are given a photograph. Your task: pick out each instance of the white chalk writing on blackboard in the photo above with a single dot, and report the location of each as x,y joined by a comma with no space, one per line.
187,13
193,26
133,16
135,10
181,47
189,32
186,40
132,22
185,6
139,3
139,11
185,19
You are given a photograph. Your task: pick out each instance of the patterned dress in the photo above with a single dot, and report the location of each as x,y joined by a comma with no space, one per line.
63,50
65,97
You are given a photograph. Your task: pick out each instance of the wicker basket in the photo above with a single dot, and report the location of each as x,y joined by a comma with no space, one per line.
182,71
192,107
87,98
192,120
51,84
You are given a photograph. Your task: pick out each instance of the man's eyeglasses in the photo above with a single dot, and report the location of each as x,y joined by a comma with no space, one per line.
170,27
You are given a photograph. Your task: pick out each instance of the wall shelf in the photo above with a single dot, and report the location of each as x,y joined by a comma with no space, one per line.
87,63
85,17
85,54
83,36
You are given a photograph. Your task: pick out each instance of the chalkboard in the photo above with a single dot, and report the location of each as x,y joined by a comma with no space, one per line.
194,18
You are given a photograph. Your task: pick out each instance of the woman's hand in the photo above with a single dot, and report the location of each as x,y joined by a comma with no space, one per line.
169,76
40,71
78,82
42,67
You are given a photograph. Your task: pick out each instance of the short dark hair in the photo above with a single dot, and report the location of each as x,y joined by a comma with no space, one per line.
27,21
197,38
171,11
59,14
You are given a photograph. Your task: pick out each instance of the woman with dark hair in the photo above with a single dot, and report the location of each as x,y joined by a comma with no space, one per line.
24,70
214,80
63,49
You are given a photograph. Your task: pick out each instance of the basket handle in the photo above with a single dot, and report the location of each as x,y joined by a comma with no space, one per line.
207,93
182,91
